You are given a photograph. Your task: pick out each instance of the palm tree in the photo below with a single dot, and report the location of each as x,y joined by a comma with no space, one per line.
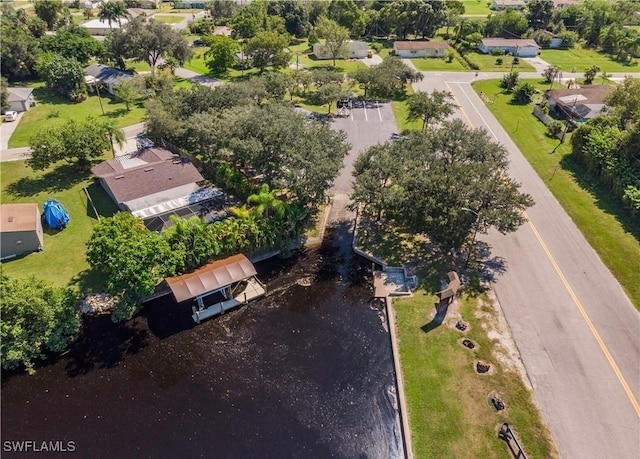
114,135
112,11
265,200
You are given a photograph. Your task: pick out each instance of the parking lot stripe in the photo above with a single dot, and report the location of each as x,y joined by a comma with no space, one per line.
364,107
379,112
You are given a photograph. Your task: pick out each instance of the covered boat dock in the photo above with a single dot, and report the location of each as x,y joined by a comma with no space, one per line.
218,286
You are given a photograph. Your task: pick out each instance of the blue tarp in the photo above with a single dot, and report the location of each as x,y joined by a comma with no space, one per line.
55,214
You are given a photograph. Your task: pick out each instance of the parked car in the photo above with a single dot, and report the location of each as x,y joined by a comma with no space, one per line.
10,115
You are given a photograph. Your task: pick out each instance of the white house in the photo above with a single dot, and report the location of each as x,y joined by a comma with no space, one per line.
409,49
356,50
100,27
555,42
564,3
508,4
514,46
20,99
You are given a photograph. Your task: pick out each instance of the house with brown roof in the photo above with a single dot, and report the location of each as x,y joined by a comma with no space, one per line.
150,181
578,104
515,46
20,230
409,49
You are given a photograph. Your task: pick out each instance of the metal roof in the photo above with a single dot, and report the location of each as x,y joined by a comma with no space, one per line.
211,277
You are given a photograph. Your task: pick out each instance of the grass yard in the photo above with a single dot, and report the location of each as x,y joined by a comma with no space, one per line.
198,65
342,65
582,58
52,110
62,261
599,217
487,63
169,18
448,403
400,111
438,64
449,407
476,7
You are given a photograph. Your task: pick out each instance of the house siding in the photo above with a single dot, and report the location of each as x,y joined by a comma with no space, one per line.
21,242
523,51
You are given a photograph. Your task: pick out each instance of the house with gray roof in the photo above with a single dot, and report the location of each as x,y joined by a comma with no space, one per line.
20,99
105,75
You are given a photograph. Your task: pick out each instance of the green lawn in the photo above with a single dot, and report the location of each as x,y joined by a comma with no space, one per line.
63,259
52,110
582,58
400,111
169,18
449,408
437,64
342,65
599,217
476,7
487,63
450,414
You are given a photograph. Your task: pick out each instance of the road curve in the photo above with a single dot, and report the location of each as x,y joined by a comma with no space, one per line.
576,329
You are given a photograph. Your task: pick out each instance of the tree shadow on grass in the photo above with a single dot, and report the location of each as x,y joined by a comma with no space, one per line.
604,198
59,179
103,344
399,247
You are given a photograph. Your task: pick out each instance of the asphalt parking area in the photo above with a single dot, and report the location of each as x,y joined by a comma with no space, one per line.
369,123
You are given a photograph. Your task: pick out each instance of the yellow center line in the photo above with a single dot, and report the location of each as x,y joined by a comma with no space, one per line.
567,286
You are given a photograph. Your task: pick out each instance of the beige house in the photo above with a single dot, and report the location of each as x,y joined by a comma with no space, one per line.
409,49
20,230
508,4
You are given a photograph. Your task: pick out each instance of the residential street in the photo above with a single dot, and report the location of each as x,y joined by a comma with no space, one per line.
576,329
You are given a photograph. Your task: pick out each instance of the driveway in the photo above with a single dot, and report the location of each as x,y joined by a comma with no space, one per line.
6,131
538,63
576,330
197,77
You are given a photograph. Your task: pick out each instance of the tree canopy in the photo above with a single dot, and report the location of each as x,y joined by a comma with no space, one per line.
336,37
268,48
148,43
424,181
434,107
132,259
36,317
74,141
65,76
221,53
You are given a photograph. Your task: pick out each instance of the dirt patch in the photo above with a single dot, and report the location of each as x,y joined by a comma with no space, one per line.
497,329
100,303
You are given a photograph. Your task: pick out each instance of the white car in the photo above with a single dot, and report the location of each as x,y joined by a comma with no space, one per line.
10,116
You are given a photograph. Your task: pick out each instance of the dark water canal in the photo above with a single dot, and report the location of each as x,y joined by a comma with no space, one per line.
306,372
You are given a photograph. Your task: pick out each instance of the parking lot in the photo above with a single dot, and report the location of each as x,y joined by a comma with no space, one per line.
369,122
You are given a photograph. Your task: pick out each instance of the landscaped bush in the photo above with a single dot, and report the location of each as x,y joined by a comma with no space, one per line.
377,47
497,52
499,61
569,39
555,128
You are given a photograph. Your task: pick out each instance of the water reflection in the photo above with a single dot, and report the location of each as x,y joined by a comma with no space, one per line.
305,372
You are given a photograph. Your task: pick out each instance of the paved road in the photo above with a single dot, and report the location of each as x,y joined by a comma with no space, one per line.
576,329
